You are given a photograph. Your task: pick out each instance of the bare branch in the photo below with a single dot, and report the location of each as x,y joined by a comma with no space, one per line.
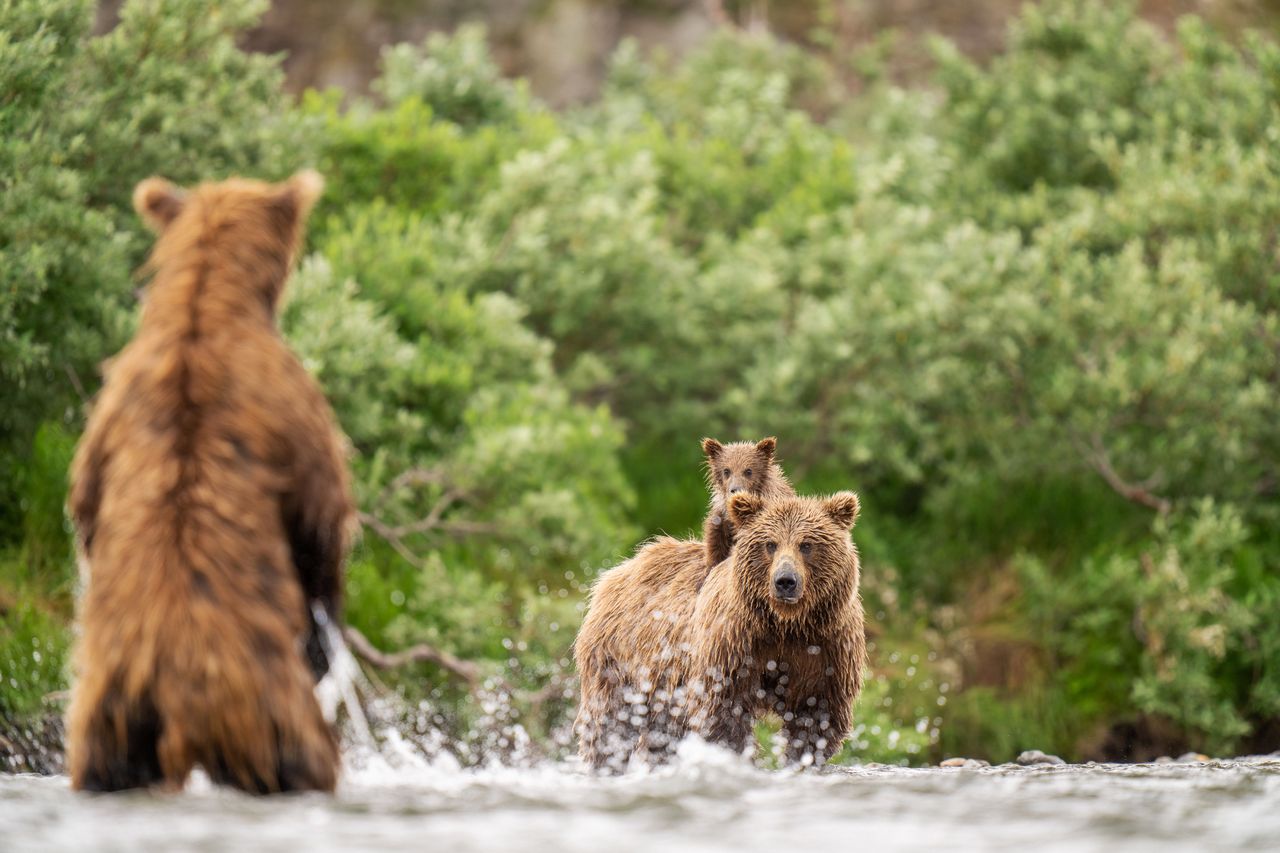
1139,493
465,670
396,535
432,520
411,477
76,384
389,536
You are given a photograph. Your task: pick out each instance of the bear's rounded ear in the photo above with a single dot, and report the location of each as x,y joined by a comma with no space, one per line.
767,447
711,448
743,507
307,186
843,508
298,195
158,202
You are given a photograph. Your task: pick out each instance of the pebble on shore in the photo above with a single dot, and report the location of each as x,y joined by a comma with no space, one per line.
1034,756
966,763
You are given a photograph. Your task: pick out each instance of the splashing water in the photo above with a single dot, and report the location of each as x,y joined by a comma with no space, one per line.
339,684
382,744
708,799
402,788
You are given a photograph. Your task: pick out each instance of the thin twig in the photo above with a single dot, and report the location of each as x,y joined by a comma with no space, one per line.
465,670
395,535
76,384
411,477
394,541
1139,493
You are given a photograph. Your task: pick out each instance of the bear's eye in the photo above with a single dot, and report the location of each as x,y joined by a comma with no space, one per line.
771,547
727,472
806,547
747,472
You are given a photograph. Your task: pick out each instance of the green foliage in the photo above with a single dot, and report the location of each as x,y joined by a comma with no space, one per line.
33,658
43,492
1075,73
1176,629
454,75
500,490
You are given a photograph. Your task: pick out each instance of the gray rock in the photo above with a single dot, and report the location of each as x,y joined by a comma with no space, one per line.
966,763
1034,756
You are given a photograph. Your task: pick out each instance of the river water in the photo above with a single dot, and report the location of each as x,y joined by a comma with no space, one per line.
708,800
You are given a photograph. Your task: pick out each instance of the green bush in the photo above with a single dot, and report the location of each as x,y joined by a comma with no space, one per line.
455,76
33,657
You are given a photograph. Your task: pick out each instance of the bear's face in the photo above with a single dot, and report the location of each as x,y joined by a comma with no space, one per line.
252,225
794,555
739,467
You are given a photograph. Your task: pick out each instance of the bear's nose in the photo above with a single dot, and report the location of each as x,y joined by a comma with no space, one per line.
734,489
786,583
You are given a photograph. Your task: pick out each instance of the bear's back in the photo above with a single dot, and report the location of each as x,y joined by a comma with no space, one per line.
640,610
199,442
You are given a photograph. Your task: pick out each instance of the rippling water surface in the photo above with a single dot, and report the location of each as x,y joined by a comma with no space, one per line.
710,800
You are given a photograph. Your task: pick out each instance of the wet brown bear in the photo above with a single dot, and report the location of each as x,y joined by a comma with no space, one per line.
733,468
213,508
778,628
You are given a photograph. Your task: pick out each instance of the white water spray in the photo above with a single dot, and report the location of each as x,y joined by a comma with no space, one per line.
339,683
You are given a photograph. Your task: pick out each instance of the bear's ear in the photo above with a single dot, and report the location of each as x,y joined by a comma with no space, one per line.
711,448
766,447
307,186
158,202
843,508
743,507
298,195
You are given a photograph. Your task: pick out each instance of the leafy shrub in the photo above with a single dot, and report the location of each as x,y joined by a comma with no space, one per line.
1171,628
471,461
454,75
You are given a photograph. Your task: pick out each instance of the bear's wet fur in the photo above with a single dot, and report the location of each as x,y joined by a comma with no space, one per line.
213,510
778,628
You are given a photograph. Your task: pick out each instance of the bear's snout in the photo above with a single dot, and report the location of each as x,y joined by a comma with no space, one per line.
786,582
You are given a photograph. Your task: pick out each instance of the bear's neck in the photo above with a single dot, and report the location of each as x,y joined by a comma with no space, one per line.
200,293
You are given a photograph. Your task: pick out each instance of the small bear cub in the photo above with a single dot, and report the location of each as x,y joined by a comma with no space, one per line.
733,469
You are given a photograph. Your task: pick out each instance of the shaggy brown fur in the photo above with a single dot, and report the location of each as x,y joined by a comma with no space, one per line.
212,503
733,468
657,658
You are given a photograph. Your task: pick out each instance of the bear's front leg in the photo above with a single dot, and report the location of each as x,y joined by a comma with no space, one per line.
815,731
721,711
717,537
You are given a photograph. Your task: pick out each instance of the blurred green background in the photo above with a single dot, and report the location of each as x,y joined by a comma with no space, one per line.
1016,283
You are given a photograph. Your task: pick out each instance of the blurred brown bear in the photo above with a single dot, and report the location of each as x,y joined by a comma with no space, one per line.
212,502
778,628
